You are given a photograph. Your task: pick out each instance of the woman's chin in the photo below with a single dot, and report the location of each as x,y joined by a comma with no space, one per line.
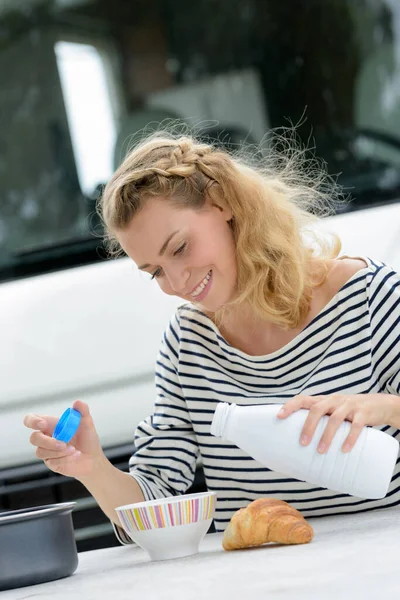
214,302
212,306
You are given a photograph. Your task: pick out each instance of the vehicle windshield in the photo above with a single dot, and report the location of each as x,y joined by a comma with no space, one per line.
79,78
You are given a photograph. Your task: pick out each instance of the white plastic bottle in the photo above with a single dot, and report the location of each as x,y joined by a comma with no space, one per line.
365,471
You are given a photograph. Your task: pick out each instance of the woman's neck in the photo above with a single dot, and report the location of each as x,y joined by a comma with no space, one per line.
246,331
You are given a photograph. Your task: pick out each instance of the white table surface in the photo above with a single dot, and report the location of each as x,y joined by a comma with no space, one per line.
351,556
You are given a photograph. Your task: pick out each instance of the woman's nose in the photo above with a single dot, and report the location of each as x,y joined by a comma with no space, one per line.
178,280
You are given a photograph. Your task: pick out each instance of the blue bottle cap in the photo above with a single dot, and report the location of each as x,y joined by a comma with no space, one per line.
68,425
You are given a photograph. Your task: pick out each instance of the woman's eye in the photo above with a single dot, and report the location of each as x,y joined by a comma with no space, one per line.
180,249
159,271
156,273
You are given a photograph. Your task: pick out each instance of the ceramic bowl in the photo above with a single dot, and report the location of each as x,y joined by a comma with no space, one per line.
169,527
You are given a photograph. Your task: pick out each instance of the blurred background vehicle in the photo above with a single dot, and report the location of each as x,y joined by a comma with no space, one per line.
79,79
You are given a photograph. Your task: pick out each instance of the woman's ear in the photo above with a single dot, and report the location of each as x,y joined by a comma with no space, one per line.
225,209
214,200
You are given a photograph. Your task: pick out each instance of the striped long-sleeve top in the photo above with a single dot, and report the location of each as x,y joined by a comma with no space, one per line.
351,347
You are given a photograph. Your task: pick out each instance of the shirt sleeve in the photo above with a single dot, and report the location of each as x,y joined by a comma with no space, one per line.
384,307
166,447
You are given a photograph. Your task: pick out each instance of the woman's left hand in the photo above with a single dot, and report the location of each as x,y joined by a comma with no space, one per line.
360,410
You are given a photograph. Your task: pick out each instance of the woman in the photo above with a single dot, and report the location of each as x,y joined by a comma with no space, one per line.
272,314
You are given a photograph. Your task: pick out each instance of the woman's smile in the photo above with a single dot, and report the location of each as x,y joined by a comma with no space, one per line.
202,289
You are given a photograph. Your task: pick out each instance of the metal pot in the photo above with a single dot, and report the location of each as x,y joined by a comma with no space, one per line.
37,545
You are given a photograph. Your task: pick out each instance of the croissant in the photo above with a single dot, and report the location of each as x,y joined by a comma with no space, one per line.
266,520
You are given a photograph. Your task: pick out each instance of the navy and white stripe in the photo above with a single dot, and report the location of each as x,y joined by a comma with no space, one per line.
351,347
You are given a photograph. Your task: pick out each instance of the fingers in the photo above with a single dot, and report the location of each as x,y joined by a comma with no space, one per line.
295,404
43,423
41,440
339,408
34,421
334,422
57,456
46,454
350,441
317,410
82,407
47,424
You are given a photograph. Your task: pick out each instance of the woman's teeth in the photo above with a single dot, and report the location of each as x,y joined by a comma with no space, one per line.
201,286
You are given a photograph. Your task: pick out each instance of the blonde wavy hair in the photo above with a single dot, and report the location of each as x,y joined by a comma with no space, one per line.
275,201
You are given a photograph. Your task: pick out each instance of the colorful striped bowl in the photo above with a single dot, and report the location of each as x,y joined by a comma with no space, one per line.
169,527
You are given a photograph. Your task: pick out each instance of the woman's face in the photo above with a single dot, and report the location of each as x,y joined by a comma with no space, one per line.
191,254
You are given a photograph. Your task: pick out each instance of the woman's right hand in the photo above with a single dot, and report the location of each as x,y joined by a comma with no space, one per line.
76,459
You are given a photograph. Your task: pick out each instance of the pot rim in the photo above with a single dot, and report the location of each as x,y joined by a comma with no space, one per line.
34,512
